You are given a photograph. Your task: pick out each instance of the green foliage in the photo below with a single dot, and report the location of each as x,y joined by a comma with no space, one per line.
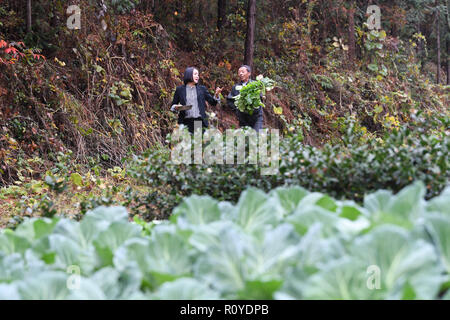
56,184
349,169
374,45
249,98
121,93
123,6
323,80
287,244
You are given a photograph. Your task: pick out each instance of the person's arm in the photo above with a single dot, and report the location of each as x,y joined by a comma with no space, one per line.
176,100
211,100
231,100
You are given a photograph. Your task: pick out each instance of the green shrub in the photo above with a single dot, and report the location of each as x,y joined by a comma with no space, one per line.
346,170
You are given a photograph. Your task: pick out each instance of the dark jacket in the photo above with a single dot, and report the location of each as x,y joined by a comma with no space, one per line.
202,96
243,117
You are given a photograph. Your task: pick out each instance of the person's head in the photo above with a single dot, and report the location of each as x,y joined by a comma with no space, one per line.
244,73
191,75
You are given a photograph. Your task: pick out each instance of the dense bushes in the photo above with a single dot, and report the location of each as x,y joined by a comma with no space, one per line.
349,169
288,244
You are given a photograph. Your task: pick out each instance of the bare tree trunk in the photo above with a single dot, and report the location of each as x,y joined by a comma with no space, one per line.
448,41
28,16
202,14
448,59
438,35
221,13
420,45
250,38
351,33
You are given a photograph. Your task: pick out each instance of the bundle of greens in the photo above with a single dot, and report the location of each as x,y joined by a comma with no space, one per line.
249,98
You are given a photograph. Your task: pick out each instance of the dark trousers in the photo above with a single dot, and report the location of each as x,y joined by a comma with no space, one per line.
254,121
190,122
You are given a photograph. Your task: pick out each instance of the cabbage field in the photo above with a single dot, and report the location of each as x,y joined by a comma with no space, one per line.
285,244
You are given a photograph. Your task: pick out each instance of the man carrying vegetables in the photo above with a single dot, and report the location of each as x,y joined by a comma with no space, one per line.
245,98
254,120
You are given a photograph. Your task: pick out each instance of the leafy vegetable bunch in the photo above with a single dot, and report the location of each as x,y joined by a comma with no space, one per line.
249,98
